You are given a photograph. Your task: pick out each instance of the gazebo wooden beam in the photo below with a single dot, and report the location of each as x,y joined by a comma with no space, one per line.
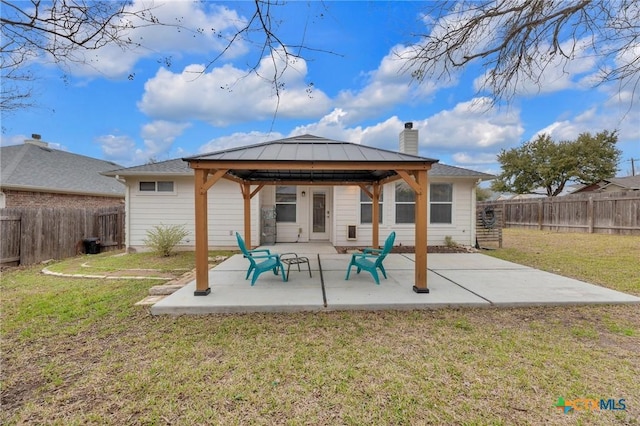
308,165
420,281
310,183
412,172
375,215
409,180
209,182
202,240
246,198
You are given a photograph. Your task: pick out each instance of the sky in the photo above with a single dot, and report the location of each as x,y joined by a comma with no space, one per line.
154,103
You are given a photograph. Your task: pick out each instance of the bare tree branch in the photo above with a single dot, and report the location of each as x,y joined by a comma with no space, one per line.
519,40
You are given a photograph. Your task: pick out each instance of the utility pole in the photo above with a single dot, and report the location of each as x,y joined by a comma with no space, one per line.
633,166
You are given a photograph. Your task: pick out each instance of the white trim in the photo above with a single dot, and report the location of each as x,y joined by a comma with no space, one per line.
155,191
453,205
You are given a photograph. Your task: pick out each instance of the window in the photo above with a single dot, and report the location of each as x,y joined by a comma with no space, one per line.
166,186
405,203
159,186
366,207
441,202
286,203
148,186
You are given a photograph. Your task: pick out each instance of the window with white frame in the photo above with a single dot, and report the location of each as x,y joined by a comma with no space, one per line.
441,203
366,207
405,203
286,203
156,186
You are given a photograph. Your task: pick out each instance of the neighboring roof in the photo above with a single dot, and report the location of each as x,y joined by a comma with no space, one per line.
175,167
31,167
628,182
443,170
625,183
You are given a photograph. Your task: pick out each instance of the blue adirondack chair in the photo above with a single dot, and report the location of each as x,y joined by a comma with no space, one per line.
371,259
261,260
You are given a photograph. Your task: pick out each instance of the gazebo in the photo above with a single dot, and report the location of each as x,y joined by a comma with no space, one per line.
309,160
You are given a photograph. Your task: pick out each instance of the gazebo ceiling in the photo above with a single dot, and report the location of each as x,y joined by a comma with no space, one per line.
309,158
328,176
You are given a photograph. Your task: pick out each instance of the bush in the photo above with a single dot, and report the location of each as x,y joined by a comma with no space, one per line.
163,238
449,242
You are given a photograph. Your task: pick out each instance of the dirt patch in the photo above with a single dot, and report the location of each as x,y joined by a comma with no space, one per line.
411,249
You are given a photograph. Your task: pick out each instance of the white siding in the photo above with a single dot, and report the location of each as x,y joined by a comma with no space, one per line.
226,213
462,230
290,232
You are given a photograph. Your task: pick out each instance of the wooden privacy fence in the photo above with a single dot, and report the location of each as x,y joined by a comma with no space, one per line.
604,213
31,235
489,220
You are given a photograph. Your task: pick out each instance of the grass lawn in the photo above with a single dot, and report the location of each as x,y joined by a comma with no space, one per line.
77,351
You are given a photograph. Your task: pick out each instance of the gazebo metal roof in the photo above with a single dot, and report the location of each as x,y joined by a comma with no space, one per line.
310,158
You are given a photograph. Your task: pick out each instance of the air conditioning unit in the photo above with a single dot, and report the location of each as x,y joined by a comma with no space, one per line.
352,232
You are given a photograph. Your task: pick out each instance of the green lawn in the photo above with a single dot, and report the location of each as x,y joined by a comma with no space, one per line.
77,351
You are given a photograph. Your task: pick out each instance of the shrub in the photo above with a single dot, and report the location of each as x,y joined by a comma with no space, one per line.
449,242
163,238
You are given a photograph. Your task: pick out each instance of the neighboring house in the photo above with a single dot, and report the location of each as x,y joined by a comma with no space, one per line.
35,175
618,184
536,193
163,193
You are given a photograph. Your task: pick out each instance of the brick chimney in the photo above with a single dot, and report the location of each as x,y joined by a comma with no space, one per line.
36,139
409,139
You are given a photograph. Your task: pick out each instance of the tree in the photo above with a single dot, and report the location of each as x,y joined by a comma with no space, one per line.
57,31
63,31
542,163
517,41
482,194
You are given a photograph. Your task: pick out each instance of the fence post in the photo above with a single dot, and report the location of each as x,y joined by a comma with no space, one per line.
590,216
540,214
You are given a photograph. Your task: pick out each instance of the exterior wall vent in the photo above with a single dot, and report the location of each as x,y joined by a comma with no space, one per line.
352,232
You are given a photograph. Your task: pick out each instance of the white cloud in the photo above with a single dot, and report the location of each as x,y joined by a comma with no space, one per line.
158,137
474,158
387,86
237,139
594,120
470,125
226,94
166,40
157,140
12,140
553,74
119,149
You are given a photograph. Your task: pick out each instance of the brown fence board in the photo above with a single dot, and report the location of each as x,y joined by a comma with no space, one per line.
488,233
610,213
10,235
56,233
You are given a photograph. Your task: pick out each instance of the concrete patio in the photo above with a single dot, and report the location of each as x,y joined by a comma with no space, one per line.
454,280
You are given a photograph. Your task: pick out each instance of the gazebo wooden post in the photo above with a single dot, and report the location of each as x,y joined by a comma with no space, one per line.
246,197
420,285
375,215
202,238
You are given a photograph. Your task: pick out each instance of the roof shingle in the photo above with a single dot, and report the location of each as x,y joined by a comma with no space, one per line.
33,167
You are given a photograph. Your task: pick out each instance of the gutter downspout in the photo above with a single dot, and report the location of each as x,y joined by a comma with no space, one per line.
127,202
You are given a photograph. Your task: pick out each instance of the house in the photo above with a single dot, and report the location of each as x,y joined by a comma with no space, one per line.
163,193
36,175
617,184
